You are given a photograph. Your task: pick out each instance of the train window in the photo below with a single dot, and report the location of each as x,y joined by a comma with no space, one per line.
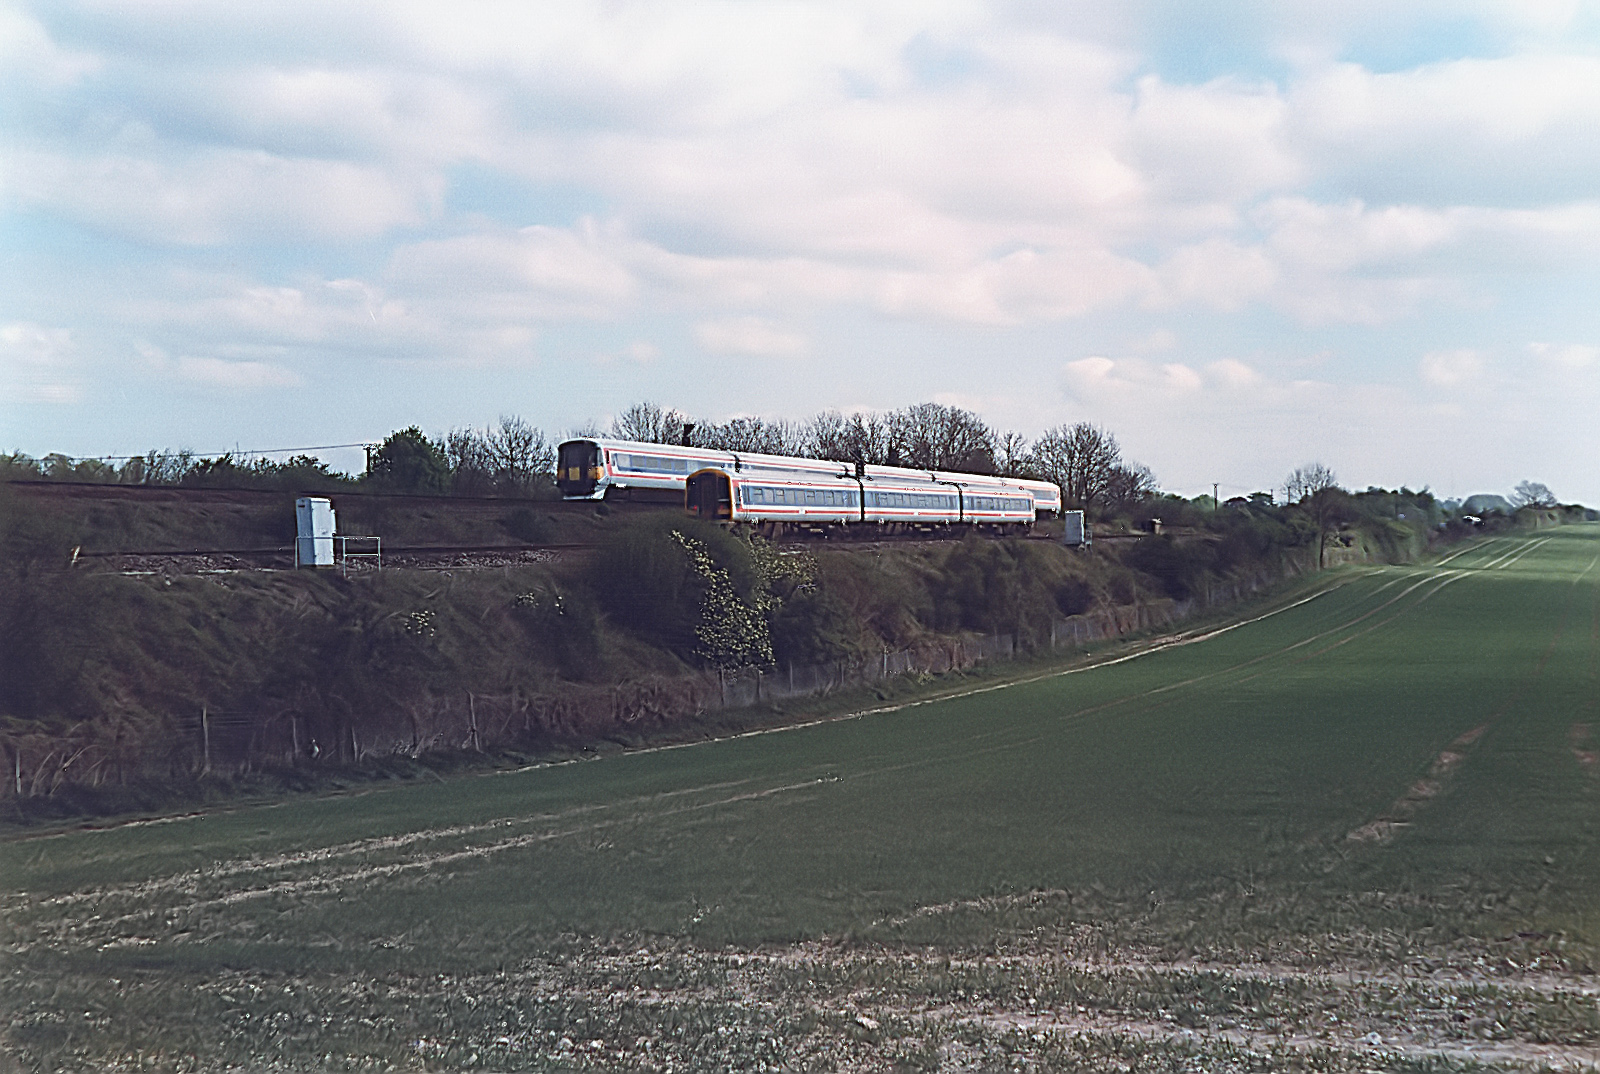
650,464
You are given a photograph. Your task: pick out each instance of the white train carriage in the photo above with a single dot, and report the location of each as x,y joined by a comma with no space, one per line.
742,487
771,495
1044,496
892,500
593,468
908,498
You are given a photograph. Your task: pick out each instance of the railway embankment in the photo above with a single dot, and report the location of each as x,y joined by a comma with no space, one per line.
143,688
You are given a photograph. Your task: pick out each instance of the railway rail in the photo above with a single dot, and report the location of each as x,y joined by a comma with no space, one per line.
193,560
233,494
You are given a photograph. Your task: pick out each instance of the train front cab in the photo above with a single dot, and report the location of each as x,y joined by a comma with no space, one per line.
578,469
709,495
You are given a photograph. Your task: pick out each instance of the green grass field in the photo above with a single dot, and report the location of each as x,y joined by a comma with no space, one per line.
1354,829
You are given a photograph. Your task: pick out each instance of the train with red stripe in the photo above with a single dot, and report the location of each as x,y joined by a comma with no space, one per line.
784,492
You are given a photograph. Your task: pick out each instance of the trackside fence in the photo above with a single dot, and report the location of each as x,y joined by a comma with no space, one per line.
756,686
215,741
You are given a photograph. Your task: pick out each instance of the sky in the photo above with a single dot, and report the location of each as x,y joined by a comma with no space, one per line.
1243,236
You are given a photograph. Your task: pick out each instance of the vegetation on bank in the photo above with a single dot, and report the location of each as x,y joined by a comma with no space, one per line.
1354,835
111,683
107,680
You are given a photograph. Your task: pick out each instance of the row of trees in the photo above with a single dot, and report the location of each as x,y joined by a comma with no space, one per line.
1084,459
509,458
513,458
297,473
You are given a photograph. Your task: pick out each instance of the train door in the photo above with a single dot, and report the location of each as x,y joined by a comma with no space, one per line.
709,495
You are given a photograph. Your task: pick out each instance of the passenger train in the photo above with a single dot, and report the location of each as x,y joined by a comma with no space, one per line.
783,492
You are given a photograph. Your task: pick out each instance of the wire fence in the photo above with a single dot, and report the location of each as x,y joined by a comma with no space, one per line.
215,741
756,686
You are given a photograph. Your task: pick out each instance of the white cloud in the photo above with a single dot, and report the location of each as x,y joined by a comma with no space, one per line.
31,61
1133,378
220,196
754,336
212,372
367,182
36,363
1232,373
1566,356
1454,368
537,271
1218,273
236,376
1461,130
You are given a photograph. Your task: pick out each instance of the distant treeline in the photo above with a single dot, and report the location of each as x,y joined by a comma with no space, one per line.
513,458
116,685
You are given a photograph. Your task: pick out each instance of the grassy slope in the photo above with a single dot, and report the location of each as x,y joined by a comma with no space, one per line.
1197,799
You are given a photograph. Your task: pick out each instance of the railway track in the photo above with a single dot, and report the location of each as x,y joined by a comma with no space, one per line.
80,490
192,560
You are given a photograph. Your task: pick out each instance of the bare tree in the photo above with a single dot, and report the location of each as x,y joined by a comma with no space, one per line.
1080,458
1532,494
858,438
1316,489
471,461
1011,454
1308,480
520,454
1129,485
827,436
650,424
753,435
930,436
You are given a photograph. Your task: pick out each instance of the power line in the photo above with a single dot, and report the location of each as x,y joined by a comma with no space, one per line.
203,454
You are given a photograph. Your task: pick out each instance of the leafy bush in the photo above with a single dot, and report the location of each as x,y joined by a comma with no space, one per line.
409,462
1177,567
814,626
526,524
982,587
1074,596
647,583
565,626
732,631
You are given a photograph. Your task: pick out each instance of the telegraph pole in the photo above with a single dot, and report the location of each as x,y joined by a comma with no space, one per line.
1215,503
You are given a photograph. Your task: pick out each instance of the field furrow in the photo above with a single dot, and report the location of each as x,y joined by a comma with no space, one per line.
1352,829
